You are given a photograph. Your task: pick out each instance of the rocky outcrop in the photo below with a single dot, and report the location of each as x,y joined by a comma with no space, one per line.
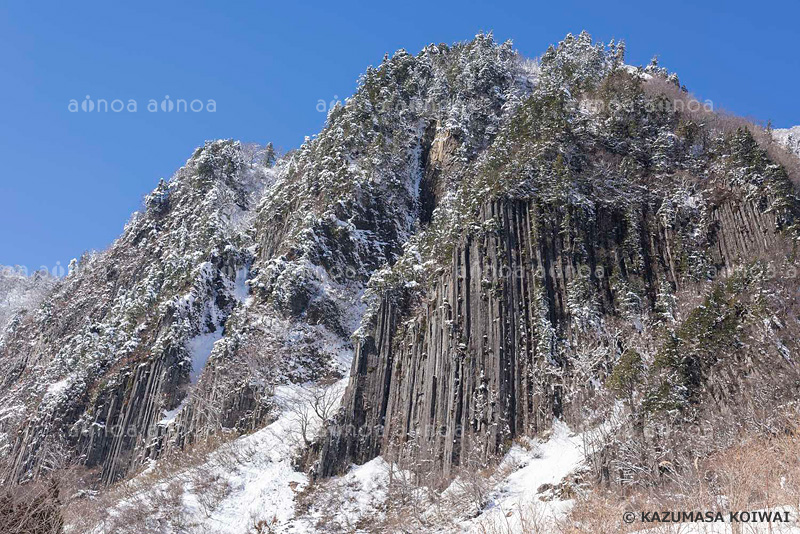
489,355
123,432
89,377
509,241
577,237
308,231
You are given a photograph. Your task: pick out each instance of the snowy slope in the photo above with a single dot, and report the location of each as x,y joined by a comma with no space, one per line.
520,493
789,137
516,501
19,292
247,481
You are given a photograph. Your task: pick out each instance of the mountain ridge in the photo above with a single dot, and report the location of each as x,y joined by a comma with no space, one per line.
483,247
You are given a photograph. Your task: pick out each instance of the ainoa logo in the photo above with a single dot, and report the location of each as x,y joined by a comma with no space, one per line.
165,105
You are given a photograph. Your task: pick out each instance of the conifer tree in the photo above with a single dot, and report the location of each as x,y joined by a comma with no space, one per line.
269,155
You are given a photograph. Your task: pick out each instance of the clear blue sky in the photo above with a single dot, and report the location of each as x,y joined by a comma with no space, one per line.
69,181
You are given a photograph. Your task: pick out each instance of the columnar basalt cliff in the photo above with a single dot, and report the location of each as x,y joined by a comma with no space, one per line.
488,356
243,272
113,362
581,256
486,243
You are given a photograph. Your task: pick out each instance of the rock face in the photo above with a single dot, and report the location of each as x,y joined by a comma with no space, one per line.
478,365
507,242
529,316
87,378
240,275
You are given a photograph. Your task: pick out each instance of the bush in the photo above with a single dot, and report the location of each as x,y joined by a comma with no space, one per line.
31,509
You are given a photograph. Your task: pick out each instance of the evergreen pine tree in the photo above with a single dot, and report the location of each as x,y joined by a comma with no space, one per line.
619,55
269,155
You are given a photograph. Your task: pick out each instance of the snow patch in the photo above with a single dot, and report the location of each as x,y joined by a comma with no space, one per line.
57,388
543,464
200,348
241,291
171,415
255,473
262,487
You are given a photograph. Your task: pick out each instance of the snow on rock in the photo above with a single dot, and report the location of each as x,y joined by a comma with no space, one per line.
789,137
200,348
241,291
171,415
371,478
57,387
354,497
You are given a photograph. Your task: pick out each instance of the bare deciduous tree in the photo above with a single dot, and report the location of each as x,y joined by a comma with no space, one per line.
311,406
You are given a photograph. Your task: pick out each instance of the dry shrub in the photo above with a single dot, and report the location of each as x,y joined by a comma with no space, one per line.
421,498
527,518
599,512
159,491
263,526
759,473
32,508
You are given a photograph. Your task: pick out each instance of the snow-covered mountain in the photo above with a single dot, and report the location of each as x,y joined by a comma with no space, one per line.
20,292
488,281
789,137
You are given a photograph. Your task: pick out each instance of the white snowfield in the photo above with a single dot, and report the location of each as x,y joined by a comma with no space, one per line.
514,505
256,472
262,484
